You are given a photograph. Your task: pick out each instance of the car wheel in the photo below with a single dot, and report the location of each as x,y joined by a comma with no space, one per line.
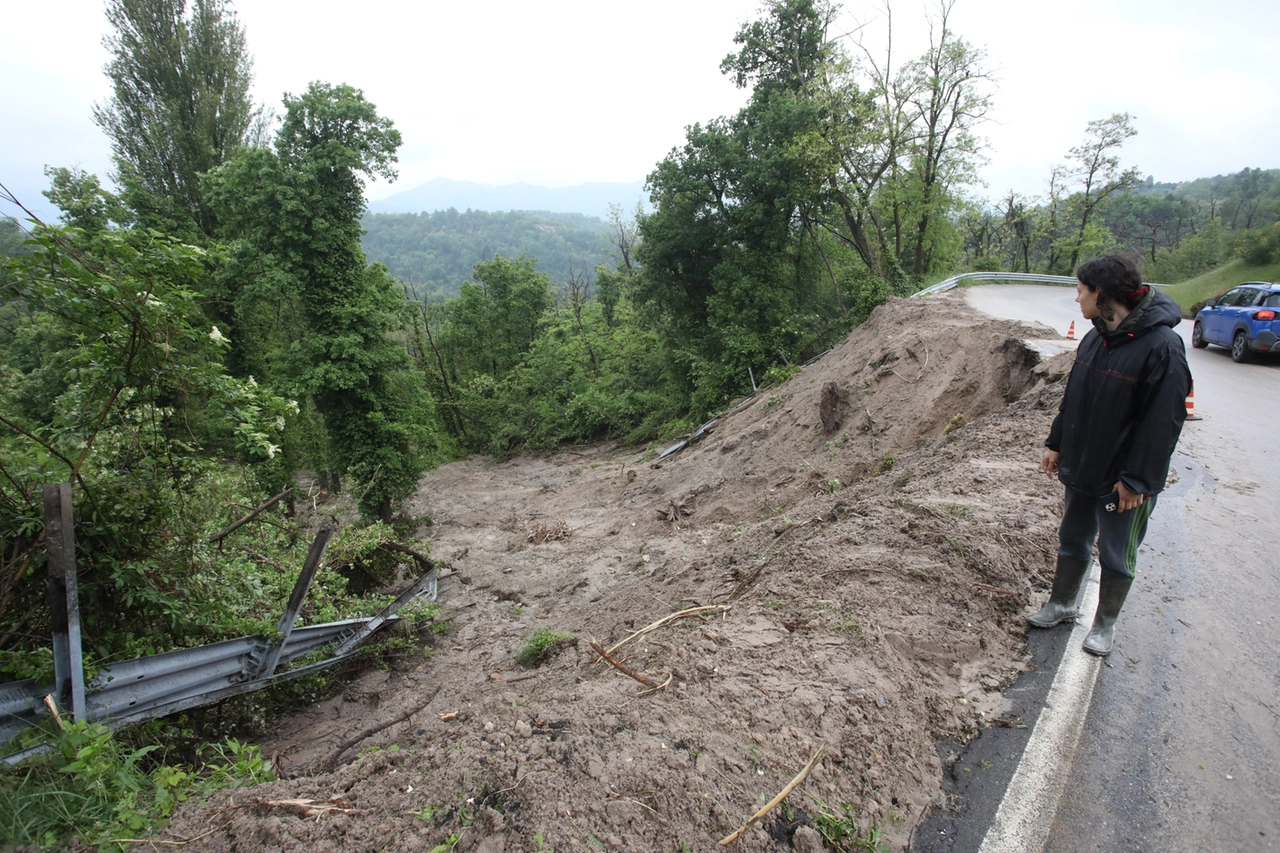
1197,336
1240,347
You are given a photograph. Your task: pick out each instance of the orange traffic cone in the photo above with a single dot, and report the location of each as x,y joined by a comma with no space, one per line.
1071,331
1191,406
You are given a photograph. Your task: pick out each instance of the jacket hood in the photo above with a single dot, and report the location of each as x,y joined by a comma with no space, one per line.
1155,309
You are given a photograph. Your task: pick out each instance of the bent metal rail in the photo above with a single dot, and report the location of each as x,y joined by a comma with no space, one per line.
156,685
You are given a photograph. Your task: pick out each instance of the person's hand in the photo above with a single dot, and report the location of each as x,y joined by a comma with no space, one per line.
1128,499
1049,463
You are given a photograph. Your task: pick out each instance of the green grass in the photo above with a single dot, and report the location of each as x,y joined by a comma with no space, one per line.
92,786
1210,284
541,644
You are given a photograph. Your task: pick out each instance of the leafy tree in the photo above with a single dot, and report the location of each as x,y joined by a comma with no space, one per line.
948,95
180,104
1196,254
1095,165
495,319
784,51
1020,226
1260,246
83,201
727,269
113,380
1251,189
298,209
1149,224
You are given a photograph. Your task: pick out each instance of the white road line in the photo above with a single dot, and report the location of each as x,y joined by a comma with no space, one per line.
1030,802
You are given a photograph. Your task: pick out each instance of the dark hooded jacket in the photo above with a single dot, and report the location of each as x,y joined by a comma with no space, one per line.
1125,402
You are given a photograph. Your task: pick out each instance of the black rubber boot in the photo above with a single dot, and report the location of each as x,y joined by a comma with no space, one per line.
1112,592
1062,600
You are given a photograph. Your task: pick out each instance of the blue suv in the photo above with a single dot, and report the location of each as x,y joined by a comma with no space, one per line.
1245,318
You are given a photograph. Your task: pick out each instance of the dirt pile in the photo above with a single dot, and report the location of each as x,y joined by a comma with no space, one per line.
871,532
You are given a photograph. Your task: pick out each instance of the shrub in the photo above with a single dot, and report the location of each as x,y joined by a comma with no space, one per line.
1260,246
542,644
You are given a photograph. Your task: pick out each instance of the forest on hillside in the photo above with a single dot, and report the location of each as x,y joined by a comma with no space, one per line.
433,253
224,318
1177,231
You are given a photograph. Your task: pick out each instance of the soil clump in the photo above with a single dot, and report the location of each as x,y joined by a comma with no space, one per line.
857,548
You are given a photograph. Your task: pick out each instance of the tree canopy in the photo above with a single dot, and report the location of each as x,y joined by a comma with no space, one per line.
180,104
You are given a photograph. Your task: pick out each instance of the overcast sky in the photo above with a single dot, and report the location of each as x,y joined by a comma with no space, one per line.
567,91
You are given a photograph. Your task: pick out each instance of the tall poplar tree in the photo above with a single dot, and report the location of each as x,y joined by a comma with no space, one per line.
179,107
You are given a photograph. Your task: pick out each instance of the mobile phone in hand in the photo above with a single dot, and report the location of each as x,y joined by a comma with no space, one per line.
1111,503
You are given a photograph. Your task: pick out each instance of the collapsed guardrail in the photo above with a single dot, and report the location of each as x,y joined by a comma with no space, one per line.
157,685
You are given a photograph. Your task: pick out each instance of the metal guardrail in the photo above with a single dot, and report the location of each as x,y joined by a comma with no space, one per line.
157,685
1016,277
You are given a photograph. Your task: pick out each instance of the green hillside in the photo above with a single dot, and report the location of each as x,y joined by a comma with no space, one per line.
434,253
1220,280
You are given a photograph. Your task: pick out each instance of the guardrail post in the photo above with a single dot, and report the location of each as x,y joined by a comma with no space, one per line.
272,659
64,597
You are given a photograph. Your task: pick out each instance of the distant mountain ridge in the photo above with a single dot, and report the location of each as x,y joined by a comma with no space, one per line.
591,199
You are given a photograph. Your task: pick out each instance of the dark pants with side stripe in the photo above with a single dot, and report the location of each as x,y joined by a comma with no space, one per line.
1119,534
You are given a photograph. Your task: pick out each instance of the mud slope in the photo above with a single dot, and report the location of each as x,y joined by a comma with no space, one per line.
872,572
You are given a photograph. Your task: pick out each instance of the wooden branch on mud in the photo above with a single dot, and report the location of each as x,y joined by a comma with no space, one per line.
997,589
308,808
332,763
922,369
524,677
648,682
747,581
655,689
236,525
791,529
180,843
680,614
854,569
768,807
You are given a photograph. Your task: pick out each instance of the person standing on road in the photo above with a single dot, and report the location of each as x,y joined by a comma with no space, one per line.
1110,445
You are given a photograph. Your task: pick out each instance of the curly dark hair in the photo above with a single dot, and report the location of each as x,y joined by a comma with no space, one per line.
1116,280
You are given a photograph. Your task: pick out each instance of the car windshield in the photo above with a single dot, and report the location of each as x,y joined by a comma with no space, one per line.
1272,301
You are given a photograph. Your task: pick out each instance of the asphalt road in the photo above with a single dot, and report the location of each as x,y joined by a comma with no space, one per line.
1180,747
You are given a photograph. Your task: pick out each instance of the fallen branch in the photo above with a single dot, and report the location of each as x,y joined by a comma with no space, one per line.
332,763
422,559
922,369
997,589
681,614
236,525
648,682
769,806
308,808
516,678
182,843
632,798
262,558
661,686
791,529
748,581
855,569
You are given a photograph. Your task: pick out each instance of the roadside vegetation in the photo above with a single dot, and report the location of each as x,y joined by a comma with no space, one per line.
1195,291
